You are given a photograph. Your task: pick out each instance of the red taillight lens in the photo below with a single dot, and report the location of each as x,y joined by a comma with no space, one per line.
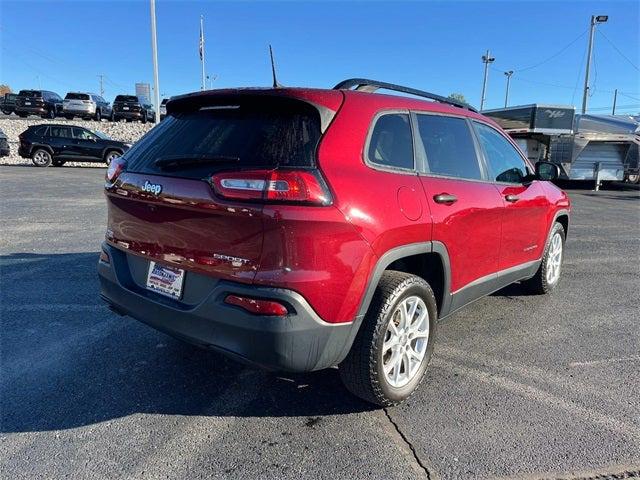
298,186
256,306
116,167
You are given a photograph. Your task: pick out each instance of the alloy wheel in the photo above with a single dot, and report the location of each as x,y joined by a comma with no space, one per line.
41,158
405,341
554,259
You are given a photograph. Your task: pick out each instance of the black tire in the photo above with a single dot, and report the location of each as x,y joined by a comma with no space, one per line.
51,113
633,178
144,117
540,284
6,112
57,163
23,115
362,370
109,155
41,157
98,116
69,117
112,117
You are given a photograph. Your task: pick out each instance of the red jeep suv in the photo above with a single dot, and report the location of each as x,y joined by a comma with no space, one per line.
300,229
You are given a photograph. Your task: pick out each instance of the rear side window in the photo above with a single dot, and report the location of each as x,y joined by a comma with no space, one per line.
41,130
61,132
448,146
391,143
195,144
505,163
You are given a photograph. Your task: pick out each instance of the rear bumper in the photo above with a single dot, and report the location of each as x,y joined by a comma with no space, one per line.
299,342
125,114
32,110
88,110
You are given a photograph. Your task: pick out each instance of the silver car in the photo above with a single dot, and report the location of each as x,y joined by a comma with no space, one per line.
86,105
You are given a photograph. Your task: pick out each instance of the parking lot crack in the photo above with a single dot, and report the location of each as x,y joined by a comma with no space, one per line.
406,443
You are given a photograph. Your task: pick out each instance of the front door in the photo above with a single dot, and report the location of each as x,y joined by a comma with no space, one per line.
524,224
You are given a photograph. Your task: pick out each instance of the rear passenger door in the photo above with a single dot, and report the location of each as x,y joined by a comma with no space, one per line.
524,224
60,140
465,207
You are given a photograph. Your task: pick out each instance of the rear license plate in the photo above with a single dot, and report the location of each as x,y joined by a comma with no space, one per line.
165,280
27,103
125,108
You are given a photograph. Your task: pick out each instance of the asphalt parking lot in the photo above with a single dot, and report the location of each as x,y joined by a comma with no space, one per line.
519,386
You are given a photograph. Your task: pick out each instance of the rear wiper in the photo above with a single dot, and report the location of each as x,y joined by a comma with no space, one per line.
178,161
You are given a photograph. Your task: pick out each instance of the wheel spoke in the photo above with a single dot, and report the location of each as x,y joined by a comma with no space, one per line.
392,342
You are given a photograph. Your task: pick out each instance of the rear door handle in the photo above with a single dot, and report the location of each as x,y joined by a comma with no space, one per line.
445,198
511,198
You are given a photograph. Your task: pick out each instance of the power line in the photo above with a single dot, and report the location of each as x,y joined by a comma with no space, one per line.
619,52
562,50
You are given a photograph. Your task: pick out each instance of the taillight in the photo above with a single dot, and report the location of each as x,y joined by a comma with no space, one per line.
298,186
257,306
116,167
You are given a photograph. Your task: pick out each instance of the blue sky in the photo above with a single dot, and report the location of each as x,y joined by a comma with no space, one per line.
430,45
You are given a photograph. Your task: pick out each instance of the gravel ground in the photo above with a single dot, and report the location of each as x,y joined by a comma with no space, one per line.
520,387
123,131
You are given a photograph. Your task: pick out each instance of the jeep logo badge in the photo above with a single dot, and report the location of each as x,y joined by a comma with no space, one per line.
154,188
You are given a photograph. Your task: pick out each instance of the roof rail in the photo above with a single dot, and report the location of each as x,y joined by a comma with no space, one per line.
367,85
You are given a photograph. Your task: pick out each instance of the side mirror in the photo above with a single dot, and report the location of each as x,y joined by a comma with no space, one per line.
547,171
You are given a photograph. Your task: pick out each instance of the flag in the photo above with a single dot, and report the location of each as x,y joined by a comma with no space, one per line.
201,42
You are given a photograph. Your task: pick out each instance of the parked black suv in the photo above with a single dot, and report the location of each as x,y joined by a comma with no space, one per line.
131,107
4,145
38,102
56,144
8,103
86,105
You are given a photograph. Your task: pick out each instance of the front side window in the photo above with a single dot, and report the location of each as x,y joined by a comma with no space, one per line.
82,134
504,162
391,143
448,146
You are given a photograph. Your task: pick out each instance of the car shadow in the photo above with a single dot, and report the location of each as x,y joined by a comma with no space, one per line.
68,361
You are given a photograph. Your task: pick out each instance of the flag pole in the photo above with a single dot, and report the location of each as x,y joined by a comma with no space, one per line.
203,85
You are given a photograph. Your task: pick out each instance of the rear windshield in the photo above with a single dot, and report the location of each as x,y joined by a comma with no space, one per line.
77,96
30,93
126,98
196,143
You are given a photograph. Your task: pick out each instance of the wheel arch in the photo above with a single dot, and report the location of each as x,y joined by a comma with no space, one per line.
428,260
43,146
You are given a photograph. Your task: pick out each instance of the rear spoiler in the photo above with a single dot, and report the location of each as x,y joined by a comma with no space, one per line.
197,100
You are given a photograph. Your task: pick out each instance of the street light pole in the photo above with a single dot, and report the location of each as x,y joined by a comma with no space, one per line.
486,59
615,100
506,95
595,19
154,52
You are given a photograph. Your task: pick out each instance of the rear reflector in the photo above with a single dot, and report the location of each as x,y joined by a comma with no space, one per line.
298,186
104,257
256,306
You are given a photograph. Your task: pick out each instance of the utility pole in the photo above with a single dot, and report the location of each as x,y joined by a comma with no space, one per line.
615,99
486,59
101,84
506,95
154,53
595,19
203,85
